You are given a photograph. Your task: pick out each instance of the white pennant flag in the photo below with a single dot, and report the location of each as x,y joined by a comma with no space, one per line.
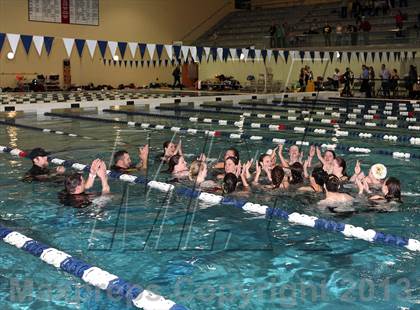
185,49
258,55
193,51
91,44
281,54
307,56
133,48
269,53
207,52
245,52
169,51
317,57
13,41
232,52
68,44
112,47
220,53
151,49
38,42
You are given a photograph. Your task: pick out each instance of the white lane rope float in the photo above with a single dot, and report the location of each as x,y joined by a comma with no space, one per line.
140,297
347,230
216,133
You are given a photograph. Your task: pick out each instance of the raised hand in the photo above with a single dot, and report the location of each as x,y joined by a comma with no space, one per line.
95,166
312,151
101,172
357,168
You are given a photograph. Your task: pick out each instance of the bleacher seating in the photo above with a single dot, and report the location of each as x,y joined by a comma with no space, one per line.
250,28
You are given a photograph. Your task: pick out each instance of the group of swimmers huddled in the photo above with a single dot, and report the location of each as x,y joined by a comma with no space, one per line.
272,172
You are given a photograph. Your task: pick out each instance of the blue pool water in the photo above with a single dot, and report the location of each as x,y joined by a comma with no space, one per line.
204,257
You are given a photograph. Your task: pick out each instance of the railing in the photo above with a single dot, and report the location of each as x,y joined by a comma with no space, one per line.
287,3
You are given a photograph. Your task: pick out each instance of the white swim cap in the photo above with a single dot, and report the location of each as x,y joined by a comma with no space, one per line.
379,171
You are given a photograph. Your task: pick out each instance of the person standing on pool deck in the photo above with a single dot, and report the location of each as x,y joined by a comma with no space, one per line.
122,160
177,77
40,170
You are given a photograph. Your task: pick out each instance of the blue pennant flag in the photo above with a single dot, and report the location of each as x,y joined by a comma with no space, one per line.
239,52
115,63
159,50
365,55
286,55
122,47
142,47
331,56
27,41
387,56
413,53
102,47
380,56
349,56
104,61
372,54
405,53
48,41
177,51
312,53
225,54
264,54
154,63
321,55
137,63
213,53
80,44
125,63
131,63
302,55
109,62
166,62
200,51
148,63
142,63
120,62
2,37
251,54
276,55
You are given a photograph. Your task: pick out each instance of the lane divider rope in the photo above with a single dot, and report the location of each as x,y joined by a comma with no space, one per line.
347,230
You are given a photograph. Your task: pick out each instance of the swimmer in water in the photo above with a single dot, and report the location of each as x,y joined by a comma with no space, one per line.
75,186
294,155
332,194
317,180
122,160
40,170
327,159
231,152
170,149
390,190
178,167
375,178
339,169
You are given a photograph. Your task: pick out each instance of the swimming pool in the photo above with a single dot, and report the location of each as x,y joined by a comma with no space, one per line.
204,257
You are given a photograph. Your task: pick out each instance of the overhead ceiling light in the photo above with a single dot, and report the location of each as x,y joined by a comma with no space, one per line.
10,55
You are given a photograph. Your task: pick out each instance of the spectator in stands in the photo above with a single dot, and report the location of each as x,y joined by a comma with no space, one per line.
348,80
399,23
302,78
355,9
403,3
365,27
327,34
281,35
365,87
393,84
392,4
338,35
344,4
352,32
272,32
385,76
412,80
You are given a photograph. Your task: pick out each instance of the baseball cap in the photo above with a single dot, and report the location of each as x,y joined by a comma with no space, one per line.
379,171
37,152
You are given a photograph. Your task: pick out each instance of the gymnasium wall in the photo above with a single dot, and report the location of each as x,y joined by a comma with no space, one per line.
290,71
146,21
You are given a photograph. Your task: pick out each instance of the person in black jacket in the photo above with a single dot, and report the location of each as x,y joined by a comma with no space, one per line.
177,77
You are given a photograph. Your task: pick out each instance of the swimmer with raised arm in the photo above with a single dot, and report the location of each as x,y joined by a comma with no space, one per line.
332,194
123,163
327,160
